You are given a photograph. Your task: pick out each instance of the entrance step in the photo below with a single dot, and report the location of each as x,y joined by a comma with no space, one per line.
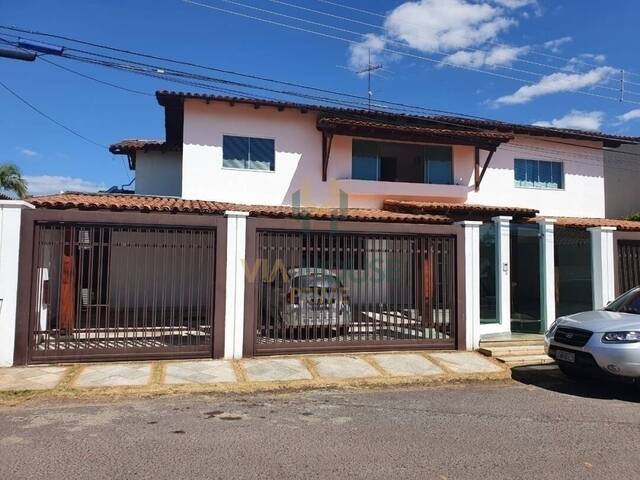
518,349
521,360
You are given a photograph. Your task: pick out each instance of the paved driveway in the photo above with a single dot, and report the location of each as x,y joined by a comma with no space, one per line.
541,427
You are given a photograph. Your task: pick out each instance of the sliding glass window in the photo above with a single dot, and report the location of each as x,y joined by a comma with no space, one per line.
488,274
574,283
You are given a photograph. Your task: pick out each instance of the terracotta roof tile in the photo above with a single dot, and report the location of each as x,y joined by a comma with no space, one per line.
120,202
576,222
131,145
456,209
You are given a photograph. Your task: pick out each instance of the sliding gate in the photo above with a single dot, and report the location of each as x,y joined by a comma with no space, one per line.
121,292
628,264
331,291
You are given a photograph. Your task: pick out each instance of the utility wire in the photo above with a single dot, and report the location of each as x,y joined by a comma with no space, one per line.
48,117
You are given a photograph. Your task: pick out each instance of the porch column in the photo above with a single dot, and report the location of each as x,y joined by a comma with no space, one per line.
602,265
10,219
234,301
547,271
503,271
471,283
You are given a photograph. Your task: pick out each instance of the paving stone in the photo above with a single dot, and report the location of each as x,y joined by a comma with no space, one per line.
276,370
343,366
31,378
114,375
465,362
407,364
206,371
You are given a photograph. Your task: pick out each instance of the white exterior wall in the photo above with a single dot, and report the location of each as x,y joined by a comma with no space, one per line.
10,219
159,173
299,165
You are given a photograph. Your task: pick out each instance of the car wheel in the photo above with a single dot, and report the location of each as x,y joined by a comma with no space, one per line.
573,372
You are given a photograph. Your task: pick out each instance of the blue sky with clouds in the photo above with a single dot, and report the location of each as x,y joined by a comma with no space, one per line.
549,62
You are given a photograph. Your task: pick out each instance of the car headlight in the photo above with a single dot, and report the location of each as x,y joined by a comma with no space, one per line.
552,329
621,337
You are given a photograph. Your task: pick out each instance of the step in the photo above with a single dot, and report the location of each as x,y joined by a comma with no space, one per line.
510,343
512,350
521,360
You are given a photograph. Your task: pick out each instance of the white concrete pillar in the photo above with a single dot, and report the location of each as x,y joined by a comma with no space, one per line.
503,272
472,282
10,219
602,265
234,302
547,271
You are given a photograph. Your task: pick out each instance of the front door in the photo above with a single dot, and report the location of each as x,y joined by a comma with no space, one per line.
526,302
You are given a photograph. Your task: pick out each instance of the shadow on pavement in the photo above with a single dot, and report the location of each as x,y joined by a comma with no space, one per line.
550,378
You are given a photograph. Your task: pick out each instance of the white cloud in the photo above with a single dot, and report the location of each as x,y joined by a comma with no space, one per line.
516,3
28,152
577,119
556,83
500,55
630,115
47,184
596,57
554,45
371,43
445,25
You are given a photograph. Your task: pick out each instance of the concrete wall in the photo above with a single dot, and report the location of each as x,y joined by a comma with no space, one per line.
621,180
298,165
159,173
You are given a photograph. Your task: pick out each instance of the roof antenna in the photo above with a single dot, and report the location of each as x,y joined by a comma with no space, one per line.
368,70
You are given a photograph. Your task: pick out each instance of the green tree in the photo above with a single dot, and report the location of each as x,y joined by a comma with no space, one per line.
11,180
635,217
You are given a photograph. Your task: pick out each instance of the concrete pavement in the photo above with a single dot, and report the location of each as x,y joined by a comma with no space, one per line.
255,373
542,427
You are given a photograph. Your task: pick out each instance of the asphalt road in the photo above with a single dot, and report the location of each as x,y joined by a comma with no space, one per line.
541,427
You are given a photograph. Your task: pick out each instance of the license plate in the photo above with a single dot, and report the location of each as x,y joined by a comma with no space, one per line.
569,357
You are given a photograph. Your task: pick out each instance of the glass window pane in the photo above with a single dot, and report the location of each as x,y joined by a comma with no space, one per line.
488,273
262,154
544,174
556,175
521,171
235,151
572,250
364,164
526,307
532,173
439,165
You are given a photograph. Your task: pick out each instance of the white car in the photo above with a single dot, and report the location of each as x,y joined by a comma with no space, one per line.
603,340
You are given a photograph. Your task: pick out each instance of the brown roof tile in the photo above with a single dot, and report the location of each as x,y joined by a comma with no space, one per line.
132,145
456,209
575,222
120,202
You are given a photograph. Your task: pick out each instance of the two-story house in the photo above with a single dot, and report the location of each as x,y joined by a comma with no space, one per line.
261,226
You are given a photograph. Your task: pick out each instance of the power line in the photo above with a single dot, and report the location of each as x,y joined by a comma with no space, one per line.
48,117
406,54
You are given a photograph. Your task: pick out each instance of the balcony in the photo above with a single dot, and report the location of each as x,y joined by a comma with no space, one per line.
402,189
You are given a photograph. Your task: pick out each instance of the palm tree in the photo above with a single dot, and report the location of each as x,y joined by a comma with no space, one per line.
11,180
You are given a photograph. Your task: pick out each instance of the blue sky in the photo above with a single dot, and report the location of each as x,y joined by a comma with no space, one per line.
558,47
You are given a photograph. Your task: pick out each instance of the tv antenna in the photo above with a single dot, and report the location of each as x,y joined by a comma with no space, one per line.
369,69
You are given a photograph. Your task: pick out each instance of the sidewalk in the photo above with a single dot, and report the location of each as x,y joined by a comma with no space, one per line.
247,375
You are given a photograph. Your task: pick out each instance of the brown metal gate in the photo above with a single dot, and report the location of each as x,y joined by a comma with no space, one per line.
628,264
103,291
324,290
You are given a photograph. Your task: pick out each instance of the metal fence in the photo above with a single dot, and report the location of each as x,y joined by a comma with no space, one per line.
628,264
100,290
353,289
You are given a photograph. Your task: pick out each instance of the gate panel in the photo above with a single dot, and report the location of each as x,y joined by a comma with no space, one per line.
119,291
628,264
344,291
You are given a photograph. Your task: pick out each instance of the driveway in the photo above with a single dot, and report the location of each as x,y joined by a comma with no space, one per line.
542,426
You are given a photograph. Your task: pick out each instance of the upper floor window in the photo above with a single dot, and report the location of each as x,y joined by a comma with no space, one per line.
248,153
401,162
539,174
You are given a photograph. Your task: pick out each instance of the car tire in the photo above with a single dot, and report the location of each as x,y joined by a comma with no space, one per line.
573,372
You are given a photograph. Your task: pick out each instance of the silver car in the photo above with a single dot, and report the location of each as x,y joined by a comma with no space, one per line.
310,297
603,340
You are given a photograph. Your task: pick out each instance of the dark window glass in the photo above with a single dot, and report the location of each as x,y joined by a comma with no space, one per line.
364,160
573,271
388,169
248,153
488,273
439,165
526,307
538,173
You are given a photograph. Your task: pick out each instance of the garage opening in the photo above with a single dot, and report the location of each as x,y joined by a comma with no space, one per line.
628,264
328,290
109,291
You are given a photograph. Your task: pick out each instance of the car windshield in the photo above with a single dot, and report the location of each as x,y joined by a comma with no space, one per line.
626,303
315,280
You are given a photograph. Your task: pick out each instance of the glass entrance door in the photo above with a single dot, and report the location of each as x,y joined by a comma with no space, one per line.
526,302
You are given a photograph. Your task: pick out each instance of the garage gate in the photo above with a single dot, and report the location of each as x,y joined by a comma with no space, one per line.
103,291
628,264
333,291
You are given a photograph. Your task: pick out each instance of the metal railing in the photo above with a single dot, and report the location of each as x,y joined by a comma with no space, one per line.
628,264
340,289
121,290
